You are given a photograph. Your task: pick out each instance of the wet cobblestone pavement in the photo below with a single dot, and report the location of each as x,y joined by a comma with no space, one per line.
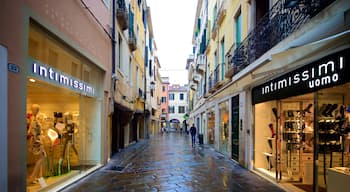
169,163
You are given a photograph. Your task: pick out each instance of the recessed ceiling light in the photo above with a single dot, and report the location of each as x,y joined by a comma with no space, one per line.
32,80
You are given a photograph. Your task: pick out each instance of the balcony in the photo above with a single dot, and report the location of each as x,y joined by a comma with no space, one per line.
200,67
221,12
132,40
280,22
196,77
229,70
193,86
218,80
122,15
211,83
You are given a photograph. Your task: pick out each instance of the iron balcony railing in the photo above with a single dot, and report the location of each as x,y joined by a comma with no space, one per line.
211,82
276,25
217,74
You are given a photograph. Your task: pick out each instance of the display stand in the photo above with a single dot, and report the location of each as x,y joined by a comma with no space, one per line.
296,116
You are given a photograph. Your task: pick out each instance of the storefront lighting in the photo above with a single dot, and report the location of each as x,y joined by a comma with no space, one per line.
32,80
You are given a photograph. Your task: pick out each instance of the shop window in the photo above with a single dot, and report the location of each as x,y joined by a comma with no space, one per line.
33,48
53,58
63,109
224,126
211,126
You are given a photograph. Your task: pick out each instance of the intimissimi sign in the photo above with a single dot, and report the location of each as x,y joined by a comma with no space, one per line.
327,72
57,77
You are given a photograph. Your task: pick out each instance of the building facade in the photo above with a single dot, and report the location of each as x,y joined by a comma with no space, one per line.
134,99
177,105
77,72
272,93
164,99
58,71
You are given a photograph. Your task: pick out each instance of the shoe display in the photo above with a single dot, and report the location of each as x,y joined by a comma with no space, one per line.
324,112
322,108
307,109
331,109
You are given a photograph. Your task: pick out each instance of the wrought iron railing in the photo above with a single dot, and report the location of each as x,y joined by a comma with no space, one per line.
211,83
217,74
276,25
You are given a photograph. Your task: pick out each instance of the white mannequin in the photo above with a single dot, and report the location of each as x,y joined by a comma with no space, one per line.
36,145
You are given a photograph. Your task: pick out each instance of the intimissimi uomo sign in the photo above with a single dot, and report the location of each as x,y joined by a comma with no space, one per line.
52,75
326,72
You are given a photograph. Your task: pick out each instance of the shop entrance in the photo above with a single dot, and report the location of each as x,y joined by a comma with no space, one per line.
292,132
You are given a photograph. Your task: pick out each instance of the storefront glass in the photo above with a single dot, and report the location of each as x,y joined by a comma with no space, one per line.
334,130
223,127
284,137
63,112
211,126
296,136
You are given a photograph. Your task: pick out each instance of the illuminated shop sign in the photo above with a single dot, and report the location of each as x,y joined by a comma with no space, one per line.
326,72
50,74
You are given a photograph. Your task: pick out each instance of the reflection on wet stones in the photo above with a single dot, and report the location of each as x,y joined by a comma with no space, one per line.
169,163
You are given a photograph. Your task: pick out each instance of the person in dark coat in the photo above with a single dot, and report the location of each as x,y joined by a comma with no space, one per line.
193,132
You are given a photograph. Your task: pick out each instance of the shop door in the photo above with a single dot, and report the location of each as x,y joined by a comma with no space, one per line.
235,128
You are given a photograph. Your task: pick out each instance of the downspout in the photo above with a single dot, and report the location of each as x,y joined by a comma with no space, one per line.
145,87
114,78
114,75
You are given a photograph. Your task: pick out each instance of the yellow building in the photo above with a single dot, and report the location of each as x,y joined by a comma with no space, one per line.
131,117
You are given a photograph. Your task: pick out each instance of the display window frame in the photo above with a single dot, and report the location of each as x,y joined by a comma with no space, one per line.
224,127
211,126
74,127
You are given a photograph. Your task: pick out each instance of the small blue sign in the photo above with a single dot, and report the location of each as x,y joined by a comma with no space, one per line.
13,68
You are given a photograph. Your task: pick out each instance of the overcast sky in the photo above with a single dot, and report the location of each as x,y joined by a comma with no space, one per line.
173,22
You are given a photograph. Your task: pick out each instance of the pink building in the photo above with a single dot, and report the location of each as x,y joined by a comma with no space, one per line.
164,100
57,91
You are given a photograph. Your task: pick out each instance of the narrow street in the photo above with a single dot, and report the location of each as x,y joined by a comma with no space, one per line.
169,163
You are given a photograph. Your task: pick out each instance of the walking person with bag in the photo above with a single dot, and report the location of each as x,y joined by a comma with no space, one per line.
193,132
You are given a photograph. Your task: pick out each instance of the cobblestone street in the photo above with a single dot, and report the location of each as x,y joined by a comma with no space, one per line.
169,163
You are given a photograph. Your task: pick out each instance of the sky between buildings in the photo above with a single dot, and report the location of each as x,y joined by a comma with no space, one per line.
173,23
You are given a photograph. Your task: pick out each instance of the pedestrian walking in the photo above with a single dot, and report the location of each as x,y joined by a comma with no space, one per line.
193,132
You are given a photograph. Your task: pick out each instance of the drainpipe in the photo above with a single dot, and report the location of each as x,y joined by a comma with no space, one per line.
145,88
114,75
